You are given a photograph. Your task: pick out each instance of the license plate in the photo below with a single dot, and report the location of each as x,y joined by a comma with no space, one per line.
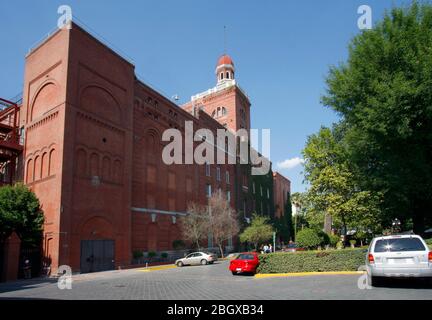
402,261
238,269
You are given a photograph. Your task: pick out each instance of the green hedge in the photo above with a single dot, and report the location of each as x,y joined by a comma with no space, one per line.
312,261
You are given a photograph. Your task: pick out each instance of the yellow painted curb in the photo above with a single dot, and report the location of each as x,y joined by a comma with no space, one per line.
156,268
305,274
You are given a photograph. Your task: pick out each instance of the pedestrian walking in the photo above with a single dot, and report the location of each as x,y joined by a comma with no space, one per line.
27,269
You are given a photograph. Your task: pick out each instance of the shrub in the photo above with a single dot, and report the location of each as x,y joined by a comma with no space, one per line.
164,255
178,244
352,243
308,238
151,254
325,239
137,254
339,245
312,261
334,239
429,242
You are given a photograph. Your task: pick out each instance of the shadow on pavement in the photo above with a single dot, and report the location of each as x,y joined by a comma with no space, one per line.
25,284
405,283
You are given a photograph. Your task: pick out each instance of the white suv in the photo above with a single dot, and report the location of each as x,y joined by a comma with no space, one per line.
398,256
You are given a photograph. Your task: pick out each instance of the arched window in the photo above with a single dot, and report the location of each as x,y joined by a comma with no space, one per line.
221,76
94,165
227,75
224,111
37,168
52,163
30,171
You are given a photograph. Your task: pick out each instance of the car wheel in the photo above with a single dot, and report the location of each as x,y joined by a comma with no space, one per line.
204,262
234,273
179,264
374,281
211,262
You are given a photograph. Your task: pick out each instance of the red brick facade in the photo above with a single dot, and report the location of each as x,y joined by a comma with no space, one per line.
281,187
93,145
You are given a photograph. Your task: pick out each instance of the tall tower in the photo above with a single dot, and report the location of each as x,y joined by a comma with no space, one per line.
227,103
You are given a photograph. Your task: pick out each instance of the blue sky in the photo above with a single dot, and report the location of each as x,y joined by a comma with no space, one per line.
282,51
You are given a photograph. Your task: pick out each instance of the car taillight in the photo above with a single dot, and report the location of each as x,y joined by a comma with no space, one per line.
371,258
430,256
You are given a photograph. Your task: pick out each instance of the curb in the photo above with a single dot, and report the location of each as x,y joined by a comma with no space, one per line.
156,268
305,274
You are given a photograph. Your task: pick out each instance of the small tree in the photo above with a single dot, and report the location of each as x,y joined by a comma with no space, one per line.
258,232
195,224
308,238
20,212
222,220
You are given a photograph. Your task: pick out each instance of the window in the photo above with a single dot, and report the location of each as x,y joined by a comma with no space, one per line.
227,177
224,111
400,244
229,196
218,175
227,75
208,172
221,76
208,190
253,187
268,193
261,192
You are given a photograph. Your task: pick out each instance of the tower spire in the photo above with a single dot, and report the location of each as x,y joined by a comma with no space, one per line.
225,41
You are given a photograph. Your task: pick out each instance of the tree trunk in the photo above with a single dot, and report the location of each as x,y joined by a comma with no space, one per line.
221,251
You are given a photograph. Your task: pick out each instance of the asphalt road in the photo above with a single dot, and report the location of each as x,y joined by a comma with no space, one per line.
211,282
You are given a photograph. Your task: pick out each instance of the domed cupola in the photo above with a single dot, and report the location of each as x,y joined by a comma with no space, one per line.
225,69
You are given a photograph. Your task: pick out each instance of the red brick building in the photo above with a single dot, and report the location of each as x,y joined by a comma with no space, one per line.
92,152
281,188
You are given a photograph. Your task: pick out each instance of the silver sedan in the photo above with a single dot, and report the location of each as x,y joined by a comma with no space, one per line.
196,258
398,256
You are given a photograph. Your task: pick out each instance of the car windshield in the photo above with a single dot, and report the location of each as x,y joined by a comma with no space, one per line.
246,257
401,244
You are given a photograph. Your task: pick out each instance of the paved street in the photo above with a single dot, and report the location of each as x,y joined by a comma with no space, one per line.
212,282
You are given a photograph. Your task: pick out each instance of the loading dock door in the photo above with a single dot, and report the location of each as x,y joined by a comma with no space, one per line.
97,255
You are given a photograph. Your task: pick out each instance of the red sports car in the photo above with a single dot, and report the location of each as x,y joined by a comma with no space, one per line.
244,263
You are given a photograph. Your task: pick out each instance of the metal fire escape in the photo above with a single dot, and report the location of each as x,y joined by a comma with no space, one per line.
10,142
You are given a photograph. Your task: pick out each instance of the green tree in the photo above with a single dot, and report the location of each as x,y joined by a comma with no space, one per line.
258,232
308,238
20,212
333,188
288,219
284,225
383,95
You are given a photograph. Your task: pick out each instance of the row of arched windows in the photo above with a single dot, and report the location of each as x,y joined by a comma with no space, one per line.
94,164
41,165
226,75
219,112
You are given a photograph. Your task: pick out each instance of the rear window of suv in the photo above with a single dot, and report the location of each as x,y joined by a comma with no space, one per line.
402,244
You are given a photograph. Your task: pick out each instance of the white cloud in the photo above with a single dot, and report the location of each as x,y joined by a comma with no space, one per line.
290,163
